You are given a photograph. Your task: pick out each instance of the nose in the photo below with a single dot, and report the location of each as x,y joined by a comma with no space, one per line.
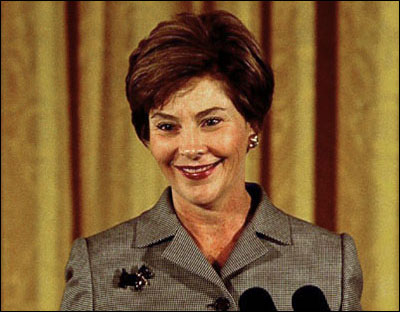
191,145
192,153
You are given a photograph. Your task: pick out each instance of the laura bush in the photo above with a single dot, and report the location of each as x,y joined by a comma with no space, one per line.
199,91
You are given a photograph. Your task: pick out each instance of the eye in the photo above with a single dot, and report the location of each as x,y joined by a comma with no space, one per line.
165,127
211,121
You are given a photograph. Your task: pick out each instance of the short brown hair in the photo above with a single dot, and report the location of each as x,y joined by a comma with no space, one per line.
215,44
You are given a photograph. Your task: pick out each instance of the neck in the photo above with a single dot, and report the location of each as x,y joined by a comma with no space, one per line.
217,227
223,217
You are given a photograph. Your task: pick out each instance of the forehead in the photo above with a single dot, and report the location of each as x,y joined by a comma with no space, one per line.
197,95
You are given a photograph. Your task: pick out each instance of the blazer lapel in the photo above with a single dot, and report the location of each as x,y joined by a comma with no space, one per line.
268,223
157,224
161,223
248,249
184,252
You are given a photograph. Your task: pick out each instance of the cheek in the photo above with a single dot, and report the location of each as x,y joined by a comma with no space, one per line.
162,150
229,142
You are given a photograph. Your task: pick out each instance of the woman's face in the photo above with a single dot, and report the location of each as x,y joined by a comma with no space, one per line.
200,142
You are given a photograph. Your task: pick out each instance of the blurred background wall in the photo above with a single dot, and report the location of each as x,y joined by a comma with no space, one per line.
73,166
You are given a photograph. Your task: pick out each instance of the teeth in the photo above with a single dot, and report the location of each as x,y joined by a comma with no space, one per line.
188,170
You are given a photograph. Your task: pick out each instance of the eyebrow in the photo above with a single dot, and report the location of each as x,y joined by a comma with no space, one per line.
199,115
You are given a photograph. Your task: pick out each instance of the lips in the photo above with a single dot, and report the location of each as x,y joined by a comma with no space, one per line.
198,172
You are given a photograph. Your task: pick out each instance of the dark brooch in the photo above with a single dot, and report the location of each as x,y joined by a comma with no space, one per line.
137,280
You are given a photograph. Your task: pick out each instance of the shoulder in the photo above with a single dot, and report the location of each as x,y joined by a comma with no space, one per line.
153,225
118,236
316,239
303,230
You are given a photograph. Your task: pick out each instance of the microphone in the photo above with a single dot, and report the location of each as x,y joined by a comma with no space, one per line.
256,299
309,298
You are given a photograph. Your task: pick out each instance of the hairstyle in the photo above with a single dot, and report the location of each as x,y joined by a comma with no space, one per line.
215,44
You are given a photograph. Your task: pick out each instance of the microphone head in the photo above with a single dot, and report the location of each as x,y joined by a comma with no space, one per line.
309,298
256,299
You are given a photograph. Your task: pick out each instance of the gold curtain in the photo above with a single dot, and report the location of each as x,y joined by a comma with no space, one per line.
72,165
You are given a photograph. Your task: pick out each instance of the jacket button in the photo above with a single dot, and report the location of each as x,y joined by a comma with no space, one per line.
221,304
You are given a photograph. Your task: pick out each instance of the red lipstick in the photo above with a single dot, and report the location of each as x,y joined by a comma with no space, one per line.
198,172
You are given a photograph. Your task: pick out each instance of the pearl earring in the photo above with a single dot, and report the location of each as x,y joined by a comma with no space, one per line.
253,141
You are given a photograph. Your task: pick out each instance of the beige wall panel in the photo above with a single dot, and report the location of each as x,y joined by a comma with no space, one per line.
368,143
292,111
197,7
91,77
36,213
18,160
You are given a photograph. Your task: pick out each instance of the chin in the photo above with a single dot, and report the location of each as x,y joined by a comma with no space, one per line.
201,195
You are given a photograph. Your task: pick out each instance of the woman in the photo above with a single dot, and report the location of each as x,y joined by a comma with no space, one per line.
199,92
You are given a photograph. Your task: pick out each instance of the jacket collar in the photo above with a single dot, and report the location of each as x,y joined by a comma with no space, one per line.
157,224
161,223
268,220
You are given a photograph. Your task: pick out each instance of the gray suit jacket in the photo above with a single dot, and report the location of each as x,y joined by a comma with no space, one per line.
277,252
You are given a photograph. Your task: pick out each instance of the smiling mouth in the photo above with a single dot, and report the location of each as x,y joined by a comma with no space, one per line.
198,169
